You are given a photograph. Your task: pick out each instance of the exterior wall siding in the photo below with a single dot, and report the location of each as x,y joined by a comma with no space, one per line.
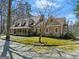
54,30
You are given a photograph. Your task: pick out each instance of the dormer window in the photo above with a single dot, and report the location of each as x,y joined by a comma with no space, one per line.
23,24
17,24
31,22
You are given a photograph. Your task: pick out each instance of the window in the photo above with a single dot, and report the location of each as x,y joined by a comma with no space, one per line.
40,29
46,30
16,24
23,24
15,31
56,30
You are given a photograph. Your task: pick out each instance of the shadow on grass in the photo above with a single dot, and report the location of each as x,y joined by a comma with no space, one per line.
7,49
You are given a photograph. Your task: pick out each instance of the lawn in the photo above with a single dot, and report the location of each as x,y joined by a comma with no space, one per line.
65,45
44,40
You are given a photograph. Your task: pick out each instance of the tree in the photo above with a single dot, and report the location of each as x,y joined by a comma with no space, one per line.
76,25
3,12
27,9
8,20
77,9
42,30
46,11
22,10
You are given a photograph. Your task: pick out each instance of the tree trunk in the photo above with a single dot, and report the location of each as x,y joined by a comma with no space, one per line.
1,24
1,19
40,38
8,20
43,30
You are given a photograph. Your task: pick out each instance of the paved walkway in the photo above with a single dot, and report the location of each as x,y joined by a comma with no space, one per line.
20,51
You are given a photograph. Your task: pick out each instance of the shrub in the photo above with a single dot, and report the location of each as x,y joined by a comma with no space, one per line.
68,35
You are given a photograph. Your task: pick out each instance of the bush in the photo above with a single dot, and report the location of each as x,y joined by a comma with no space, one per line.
68,35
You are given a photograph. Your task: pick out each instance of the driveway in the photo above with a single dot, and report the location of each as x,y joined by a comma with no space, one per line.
20,51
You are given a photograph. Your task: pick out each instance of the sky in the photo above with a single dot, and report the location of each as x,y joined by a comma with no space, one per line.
65,8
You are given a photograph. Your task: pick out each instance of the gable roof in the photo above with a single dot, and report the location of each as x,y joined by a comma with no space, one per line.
26,20
56,21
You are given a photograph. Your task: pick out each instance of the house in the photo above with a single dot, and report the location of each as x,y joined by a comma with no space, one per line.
24,27
34,26
56,26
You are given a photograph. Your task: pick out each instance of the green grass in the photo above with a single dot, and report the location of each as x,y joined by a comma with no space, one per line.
65,45
44,40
